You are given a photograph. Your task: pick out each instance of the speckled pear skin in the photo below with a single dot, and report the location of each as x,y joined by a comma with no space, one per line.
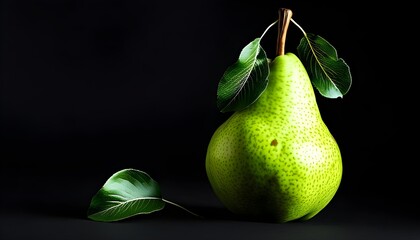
276,160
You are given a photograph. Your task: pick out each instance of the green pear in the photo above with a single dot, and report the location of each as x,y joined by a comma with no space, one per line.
276,160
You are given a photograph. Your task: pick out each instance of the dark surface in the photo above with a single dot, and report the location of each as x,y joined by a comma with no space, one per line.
91,87
51,211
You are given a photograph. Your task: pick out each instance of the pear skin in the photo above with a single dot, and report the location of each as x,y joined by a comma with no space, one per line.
276,160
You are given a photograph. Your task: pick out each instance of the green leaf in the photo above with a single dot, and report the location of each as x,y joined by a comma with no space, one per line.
243,82
126,193
328,73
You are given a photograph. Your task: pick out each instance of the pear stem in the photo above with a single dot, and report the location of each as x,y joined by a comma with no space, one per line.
285,15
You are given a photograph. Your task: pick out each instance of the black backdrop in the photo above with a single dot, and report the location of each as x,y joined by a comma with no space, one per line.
92,87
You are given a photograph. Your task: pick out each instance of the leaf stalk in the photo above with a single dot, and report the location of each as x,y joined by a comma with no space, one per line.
179,206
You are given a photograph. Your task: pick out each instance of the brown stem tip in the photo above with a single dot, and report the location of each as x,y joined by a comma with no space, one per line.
285,15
